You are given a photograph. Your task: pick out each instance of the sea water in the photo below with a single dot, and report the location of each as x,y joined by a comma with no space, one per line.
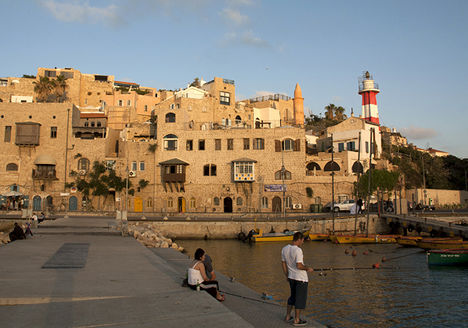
404,292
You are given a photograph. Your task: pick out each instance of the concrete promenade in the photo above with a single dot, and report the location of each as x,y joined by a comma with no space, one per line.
80,272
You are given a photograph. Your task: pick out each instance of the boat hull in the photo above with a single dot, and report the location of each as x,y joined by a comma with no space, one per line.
318,236
280,236
456,257
371,239
446,244
408,241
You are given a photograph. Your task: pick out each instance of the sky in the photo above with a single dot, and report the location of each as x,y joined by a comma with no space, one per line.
417,51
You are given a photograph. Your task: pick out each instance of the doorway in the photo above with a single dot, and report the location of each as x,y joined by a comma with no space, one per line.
73,203
37,203
181,204
276,204
228,205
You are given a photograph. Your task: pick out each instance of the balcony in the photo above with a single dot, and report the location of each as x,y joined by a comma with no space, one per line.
44,175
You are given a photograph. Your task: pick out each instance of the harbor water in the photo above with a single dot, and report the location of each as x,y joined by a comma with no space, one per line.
404,292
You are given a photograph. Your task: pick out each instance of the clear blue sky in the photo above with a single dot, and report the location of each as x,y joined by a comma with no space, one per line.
416,50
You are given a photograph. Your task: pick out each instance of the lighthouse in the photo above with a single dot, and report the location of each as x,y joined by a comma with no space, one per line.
368,89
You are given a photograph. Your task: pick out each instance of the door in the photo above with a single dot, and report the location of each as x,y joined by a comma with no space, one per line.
72,203
37,203
228,205
276,204
181,204
138,204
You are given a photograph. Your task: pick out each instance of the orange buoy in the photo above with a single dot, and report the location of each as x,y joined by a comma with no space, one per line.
354,253
384,259
346,251
376,266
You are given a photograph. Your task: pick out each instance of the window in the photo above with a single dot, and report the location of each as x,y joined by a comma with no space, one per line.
86,124
288,202
216,201
149,203
350,145
217,144
98,124
189,145
287,175
129,102
171,106
12,167
201,144
146,108
170,202
142,166
246,143
264,202
209,170
288,145
7,137
92,124
50,73
224,98
239,201
134,166
230,144
258,143
238,120
83,164
367,147
340,146
192,203
170,142
121,103
170,118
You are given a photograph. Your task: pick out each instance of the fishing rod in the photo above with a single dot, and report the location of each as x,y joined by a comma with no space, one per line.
375,266
384,259
251,298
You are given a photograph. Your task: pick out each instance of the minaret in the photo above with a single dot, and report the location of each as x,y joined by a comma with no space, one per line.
298,102
368,89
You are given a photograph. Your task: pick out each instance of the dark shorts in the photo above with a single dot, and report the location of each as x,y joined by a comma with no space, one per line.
298,296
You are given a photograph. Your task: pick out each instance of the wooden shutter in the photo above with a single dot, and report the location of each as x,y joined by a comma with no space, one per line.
277,145
297,145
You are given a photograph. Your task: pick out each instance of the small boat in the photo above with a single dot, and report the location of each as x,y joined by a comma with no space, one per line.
363,239
408,241
318,236
276,236
442,244
448,257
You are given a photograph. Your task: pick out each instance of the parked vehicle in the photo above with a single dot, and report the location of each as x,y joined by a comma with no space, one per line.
344,206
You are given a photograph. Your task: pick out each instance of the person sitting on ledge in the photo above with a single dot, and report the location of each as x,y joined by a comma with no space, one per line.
197,276
17,233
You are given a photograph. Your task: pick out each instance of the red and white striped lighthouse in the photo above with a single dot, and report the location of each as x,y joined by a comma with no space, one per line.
369,89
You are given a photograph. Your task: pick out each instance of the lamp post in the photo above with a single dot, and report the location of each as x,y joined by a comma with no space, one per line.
333,186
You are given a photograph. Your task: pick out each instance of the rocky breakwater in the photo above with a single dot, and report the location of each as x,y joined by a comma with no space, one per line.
148,235
4,238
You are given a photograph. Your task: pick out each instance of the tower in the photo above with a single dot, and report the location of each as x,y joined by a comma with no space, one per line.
298,103
368,89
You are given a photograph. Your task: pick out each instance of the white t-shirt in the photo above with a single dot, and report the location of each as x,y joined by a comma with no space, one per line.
292,254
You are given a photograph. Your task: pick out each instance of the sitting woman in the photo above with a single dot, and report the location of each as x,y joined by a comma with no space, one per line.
197,276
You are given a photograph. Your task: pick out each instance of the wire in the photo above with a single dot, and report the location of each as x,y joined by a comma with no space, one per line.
249,298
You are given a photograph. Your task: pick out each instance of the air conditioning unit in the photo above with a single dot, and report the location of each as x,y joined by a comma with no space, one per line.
82,172
297,206
132,174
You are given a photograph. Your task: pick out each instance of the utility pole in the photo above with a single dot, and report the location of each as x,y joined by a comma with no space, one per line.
66,150
333,186
357,183
369,181
424,179
282,179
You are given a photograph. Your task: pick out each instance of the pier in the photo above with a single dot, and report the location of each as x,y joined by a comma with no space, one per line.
440,224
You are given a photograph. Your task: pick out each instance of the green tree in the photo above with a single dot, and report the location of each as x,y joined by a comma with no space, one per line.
382,181
43,89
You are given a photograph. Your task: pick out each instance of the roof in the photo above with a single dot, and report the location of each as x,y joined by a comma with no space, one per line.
45,159
90,115
126,83
245,159
173,161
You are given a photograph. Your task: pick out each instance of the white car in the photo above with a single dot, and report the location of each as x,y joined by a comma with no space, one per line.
344,206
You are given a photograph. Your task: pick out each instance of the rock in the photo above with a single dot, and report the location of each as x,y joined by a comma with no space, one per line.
174,245
164,245
180,249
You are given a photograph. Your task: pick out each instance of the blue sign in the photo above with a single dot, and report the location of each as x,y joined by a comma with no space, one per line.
275,187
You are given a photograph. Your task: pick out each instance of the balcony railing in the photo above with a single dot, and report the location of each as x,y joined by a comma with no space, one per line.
50,175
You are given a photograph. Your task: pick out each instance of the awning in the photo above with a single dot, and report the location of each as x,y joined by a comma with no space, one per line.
45,159
12,194
174,161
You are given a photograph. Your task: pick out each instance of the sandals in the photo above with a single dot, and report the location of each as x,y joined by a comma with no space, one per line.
300,323
221,299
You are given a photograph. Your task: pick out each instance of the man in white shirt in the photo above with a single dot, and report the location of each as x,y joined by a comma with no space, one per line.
296,273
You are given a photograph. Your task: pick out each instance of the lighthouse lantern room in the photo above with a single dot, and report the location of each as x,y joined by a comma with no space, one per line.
368,89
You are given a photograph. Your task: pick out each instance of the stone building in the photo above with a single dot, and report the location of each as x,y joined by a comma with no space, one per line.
191,150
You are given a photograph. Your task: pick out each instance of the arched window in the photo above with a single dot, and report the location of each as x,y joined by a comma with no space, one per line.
239,201
98,124
264,202
216,201
331,166
192,203
311,168
238,120
12,167
287,175
288,145
170,118
83,164
170,142
357,167
170,202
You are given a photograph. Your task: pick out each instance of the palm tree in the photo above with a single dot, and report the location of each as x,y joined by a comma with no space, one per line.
330,111
339,113
43,89
60,88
